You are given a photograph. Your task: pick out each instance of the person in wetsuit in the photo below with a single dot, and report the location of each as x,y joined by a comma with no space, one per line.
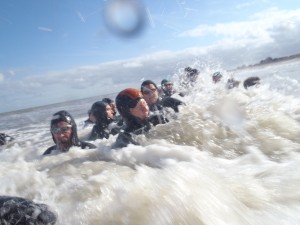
216,77
105,123
157,104
135,113
112,105
21,211
90,120
64,133
118,118
4,139
251,81
190,77
167,89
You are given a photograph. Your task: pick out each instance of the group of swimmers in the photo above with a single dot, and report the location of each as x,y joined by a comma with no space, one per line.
232,83
139,111
134,112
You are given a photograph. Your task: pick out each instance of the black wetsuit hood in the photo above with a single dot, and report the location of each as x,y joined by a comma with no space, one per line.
251,81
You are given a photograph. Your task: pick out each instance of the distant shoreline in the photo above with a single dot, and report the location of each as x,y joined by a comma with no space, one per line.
93,98
268,61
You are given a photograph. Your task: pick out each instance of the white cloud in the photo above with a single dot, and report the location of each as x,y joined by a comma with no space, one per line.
260,29
272,33
132,65
46,29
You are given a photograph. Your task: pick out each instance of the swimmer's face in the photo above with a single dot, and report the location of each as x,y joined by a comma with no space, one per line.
150,94
109,112
141,110
62,132
113,107
168,86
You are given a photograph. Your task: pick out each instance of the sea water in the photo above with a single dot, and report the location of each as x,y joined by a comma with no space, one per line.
230,157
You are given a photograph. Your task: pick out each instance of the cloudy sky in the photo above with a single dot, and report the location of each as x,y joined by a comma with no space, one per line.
54,51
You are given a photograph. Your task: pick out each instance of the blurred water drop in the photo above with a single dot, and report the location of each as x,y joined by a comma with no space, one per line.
125,18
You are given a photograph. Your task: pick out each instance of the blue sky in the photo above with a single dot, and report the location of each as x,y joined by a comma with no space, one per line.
54,51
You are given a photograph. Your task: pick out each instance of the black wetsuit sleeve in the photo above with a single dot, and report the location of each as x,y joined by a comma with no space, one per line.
115,130
157,119
49,150
119,120
16,210
98,133
123,140
94,134
171,103
87,145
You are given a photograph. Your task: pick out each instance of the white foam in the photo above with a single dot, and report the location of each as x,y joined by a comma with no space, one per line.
231,157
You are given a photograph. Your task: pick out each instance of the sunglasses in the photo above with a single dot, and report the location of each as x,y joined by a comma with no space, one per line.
56,130
149,91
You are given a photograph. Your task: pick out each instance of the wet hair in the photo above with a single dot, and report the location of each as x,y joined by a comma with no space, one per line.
108,100
147,82
99,111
